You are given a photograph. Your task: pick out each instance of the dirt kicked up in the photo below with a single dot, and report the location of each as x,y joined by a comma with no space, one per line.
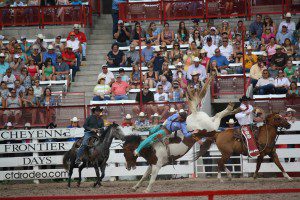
122,187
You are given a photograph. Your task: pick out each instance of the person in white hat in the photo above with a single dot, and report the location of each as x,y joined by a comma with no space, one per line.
290,115
214,36
180,72
196,67
230,123
209,47
291,26
195,82
127,121
9,126
16,65
27,126
283,34
41,44
74,123
250,59
50,54
3,66
122,34
81,37
155,119
142,121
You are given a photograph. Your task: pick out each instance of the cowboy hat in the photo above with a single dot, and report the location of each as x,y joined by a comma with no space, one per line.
157,49
179,64
142,114
172,110
196,59
27,124
249,47
245,98
9,124
2,55
76,26
41,36
290,110
288,14
203,51
258,110
155,115
128,116
74,119
231,121
97,108
50,47
195,73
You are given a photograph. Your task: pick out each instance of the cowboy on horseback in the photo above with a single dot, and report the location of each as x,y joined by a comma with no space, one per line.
92,125
173,123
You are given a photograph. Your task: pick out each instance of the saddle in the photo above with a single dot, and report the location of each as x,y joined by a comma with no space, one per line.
91,142
247,136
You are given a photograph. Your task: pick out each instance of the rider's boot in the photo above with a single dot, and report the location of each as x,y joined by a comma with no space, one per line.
136,153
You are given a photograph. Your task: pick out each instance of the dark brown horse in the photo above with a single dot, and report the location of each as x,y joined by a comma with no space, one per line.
228,144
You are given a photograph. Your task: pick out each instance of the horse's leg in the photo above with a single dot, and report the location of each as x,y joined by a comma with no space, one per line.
217,118
221,165
102,168
228,172
155,170
146,174
258,164
70,174
79,173
275,158
98,175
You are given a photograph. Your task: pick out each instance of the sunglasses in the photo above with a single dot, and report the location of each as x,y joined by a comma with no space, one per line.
160,88
30,89
146,88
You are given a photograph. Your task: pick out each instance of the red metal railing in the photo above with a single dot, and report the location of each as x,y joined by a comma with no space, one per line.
223,9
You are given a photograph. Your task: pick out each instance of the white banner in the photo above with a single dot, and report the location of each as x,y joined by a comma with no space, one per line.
30,161
35,147
41,133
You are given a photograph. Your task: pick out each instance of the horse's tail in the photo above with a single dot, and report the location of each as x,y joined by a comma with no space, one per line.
204,147
67,160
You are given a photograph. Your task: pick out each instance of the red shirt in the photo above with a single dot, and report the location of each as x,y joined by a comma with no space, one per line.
80,36
68,55
127,123
119,88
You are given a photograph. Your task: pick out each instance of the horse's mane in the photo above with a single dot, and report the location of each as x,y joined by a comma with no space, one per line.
104,133
132,139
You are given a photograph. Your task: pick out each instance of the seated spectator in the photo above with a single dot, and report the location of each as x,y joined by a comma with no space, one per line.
20,89
238,57
158,59
226,50
179,73
165,83
74,124
146,97
59,46
47,101
283,34
209,47
82,39
176,93
203,57
271,47
182,34
25,46
109,76
214,37
165,71
212,68
127,121
250,59
151,77
155,119
195,26
265,59
115,58
167,35
120,89
101,90
256,71
136,33
176,54
69,57
279,58
161,96
254,41
33,69
124,77
197,38
62,70
290,115
3,66
50,54
16,65
196,67
76,47
195,81
153,34
290,24
289,48
12,102
30,102
281,83
267,35
135,77
37,56
132,56
40,44
142,121
38,90
48,71
293,90
265,84
225,29
4,90
25,79
237,48
122,34
257,28
222,62
269,23
193,48
273,71
290,70
76,2
9,79
22,55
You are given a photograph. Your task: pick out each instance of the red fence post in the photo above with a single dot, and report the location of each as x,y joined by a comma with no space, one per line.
90,13
1,18
42,17
99,8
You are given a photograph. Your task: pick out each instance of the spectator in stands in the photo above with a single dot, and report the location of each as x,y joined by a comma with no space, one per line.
38,90
265,59
7,57
195,26
48,69
132,56
101,90
146,96
167,35
47,2
226,50
271,47
122,34
58,45
267,35
222,62
48,100
257,26
127,121
40,43
25,79
214,37
293,90
165,83
209,47
182,34
22,55
269,23
279,58
20,89
76,47
197,38
25,46
265,84
62,70
3,66
115,58
212,67
76,2
284,34
282,83
226,29
155,119
9,79
273,70
176,93
290,117
69,57
158,59
16,65
151,77
18,3
240,28
12,102
135,77
33,69
74,124
290,70
142,121
256,71
289,48
250,59
137,34
176,54
254,41
61,11
195,81
179,72
153,34
161,96
196,67
109,76
115,14
147,53
30,102
4,90
37,56
165,71
124,77
193,48
50,54
291,26
82,39
120,89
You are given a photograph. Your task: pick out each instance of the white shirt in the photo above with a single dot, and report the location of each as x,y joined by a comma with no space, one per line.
108,77
163,97
245,117
226,51
215,39
290,26
284,81
201,69
75,45
18,4
210,50
263,82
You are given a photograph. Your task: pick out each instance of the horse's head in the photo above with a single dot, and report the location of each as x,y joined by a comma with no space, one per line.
277,121
131,143
116,131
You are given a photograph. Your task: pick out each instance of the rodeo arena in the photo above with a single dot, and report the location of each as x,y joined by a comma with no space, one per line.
149,99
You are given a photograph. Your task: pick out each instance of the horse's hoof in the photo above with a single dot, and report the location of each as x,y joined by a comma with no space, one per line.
134,189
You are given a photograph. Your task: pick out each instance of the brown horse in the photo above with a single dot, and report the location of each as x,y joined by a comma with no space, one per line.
228,144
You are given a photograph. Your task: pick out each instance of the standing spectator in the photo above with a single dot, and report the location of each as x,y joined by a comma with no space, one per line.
48,71
147,53
62,70
16,65
222,62
25,79
256,71
182,33
12,102
279,58
281,83
33,69
153,34
40,43
37,56
50,54
209,47
254,41
135,77
257,26
120,89
3,66
151,77
127,121
132,56
250,59
198,68
122,34
48,100
265,84
4,90
101,90
293,90
266,36
158,59
269,23
165,83
69,57
214,36
283,34
226,49
146,96
38,90
115,13
109,76
9,79
161,96
115,58
25,46
167,35
137,34
291,26
76,47
30,102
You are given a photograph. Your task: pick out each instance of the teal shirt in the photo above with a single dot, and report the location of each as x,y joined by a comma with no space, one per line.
3,68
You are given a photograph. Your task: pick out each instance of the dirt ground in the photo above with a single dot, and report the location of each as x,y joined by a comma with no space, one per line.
122,187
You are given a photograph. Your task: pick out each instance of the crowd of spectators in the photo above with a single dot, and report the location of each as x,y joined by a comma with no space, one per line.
18,3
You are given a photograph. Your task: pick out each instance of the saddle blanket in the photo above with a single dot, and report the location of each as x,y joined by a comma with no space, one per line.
252,148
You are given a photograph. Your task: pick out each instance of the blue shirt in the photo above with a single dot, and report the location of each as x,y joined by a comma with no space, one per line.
221,60
281,37
257,27
115,4
53,57
3,68
147,53
174,125
76,3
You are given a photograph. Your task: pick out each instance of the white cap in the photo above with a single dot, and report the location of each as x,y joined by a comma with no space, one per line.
249,47
102,76
120,21
231,121
128,116
16,56
213,28
74,119
203,51
264,53
69,46
290,110
155,115
194,73
157,49
27,124
179,64
23,37
9,124
76,26
288,14
2,55
1,37
181,111
41,36
172,110
196,59
142,114
50,47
